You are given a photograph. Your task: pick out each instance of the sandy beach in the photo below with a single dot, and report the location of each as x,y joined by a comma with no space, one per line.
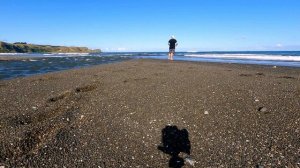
115,115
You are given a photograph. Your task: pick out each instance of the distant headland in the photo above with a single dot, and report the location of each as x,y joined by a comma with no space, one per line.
23,47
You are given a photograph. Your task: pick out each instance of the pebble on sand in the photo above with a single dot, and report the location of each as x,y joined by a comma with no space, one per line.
262,109
206,112
190,161
81,117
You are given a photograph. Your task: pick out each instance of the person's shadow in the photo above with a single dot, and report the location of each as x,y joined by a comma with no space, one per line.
175,141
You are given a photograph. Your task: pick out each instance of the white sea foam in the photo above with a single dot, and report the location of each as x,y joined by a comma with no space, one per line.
48,54
247,57
65,54
127,54
13,54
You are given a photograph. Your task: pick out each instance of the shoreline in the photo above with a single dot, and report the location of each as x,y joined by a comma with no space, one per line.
113,115
8,58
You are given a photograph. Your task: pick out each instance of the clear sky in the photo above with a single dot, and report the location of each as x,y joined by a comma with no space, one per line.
146,25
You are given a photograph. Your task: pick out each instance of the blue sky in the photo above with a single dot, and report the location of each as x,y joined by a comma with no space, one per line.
146,25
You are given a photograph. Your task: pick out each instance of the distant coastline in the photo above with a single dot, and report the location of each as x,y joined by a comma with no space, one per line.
23,47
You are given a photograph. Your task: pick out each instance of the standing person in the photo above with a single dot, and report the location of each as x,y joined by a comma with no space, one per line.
172,44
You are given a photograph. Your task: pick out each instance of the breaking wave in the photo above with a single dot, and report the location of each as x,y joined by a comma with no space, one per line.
261,57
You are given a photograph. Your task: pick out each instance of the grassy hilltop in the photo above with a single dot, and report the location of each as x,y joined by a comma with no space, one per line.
22,47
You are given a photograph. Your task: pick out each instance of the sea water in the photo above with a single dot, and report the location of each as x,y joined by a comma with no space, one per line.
30,64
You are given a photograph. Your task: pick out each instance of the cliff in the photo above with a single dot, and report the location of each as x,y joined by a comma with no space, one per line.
22,47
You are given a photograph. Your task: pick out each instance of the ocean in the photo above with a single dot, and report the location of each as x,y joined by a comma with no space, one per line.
30,64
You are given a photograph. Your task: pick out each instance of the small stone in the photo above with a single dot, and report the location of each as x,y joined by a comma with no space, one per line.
206,112
34,108
256,100
262,109
190,160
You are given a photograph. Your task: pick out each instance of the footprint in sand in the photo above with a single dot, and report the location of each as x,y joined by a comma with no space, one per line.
16,121
245,75
59,97
260,74
87,88
286,77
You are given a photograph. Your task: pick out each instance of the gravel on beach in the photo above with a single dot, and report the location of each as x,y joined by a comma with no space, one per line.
128,114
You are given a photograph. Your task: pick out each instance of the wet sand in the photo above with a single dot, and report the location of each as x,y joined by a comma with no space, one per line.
114,116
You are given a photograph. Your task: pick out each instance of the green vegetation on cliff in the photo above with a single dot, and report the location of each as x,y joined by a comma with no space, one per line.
22,47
